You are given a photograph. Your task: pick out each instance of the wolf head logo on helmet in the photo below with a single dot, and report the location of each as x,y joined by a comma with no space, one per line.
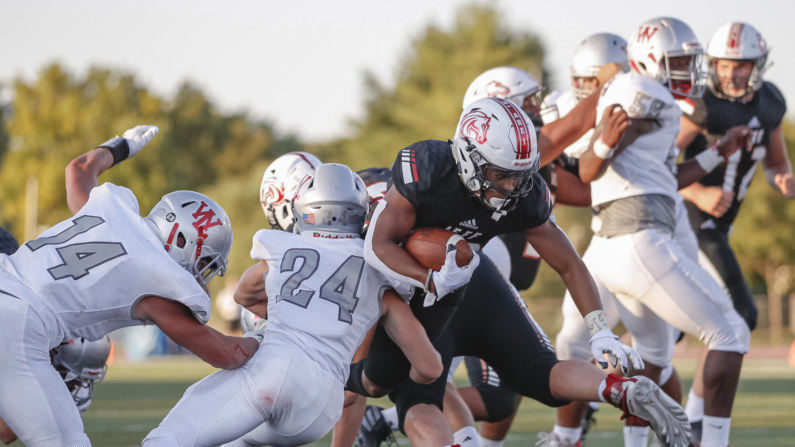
272,191
475,125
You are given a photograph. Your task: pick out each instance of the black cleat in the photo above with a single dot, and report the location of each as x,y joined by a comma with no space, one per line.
375,430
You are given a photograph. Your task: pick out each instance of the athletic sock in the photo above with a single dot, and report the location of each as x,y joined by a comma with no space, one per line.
715,431
467,437
391,417
484,442
594,405
694,408
567,434
636,436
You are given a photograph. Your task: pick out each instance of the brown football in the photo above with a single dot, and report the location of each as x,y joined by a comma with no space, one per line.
428,247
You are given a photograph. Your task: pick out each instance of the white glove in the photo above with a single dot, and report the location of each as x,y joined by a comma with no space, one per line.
138,136
259,335
451,276
260,324
606,342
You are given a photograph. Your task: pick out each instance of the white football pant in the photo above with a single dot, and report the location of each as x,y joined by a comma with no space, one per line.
657,283
280,397
34,400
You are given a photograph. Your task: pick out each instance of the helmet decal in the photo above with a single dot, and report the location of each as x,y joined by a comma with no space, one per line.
272,191
496,89
475,125
524,145
646,33
204,219
734,38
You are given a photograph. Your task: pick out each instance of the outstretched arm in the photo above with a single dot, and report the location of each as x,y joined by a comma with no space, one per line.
250,292
778,168
406,331
83,171
177,322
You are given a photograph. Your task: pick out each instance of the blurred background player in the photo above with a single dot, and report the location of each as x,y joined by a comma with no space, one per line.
635,182
737,95
82,364
105,269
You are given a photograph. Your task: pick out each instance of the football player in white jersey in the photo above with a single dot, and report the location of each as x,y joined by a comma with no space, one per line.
81,364
635,182
102,270
572,340
321,298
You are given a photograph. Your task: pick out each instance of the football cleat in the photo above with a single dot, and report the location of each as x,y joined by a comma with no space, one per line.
375,429
552,440
695,433
644,404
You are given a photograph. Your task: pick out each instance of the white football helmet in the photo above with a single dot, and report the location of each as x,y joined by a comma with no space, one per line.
331,202
280,183
84,361
737,41
651,47
591,55
511,83
201,226
495,134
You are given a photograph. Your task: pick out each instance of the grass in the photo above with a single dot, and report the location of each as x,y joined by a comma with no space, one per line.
135,397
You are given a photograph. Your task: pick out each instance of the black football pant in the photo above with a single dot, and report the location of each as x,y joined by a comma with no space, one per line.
715,245
491,323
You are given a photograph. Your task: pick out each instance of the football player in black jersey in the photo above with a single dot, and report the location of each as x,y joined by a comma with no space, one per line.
488,181
737,95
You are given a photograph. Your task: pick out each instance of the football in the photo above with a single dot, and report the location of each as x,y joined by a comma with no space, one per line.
428,247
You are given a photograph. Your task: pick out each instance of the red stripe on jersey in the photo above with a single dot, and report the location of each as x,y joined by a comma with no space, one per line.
414,172
523,142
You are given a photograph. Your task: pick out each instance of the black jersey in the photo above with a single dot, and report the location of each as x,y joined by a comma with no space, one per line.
762,114
426,174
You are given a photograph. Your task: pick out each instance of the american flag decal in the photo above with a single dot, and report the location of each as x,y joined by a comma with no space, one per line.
309,218
408,164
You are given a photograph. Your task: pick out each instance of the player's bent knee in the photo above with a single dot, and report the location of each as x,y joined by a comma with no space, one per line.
426,373
499,402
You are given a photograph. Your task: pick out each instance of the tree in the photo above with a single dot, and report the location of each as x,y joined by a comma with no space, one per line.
426,100
58,117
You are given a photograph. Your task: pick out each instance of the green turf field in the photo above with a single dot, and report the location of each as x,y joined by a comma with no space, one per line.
135,398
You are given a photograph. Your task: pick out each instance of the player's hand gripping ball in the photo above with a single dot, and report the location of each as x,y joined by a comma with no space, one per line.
448,255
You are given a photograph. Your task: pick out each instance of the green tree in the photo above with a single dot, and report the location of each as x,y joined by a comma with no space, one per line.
431,79
58,117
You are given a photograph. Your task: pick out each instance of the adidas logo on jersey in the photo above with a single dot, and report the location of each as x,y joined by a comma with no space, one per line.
754,123
708,224
471,224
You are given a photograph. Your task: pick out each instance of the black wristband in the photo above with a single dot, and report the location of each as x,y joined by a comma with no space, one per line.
118,147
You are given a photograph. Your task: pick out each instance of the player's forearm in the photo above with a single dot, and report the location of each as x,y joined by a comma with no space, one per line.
691,192
591,166
406,331
6,434
583,290
82,174
688,173
223,351
387,229
571,190
558,135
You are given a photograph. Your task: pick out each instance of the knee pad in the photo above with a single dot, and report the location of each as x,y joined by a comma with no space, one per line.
737,338
499,402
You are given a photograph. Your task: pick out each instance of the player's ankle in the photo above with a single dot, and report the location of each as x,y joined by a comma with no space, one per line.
715,431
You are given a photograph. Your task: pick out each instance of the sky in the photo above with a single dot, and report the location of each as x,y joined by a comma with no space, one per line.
300,64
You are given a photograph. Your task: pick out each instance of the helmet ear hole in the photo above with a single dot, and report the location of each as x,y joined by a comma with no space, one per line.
642,65
180,240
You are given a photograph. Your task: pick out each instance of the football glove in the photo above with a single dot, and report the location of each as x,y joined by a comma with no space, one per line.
451,276
606,342
130,143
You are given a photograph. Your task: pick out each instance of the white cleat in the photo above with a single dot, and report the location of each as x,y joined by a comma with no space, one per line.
647,401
